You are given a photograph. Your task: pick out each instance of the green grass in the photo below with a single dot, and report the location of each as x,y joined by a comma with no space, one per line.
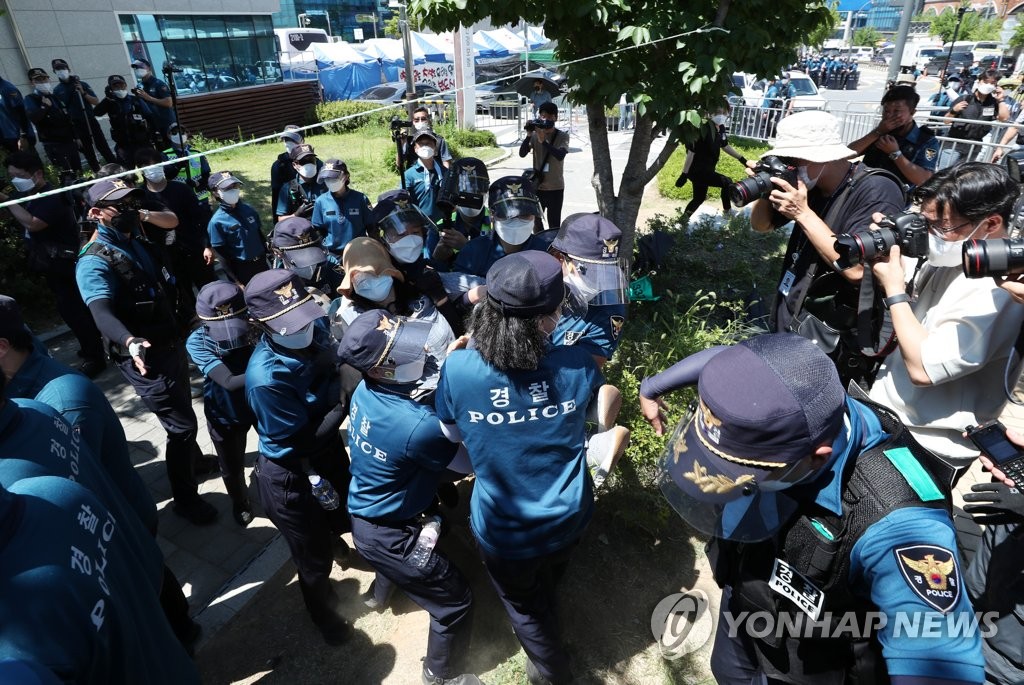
751,149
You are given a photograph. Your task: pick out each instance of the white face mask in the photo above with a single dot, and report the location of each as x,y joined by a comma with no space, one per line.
155,175
374,288
299,340
231,197
408,249
23,184
62,74
514,231
307,170
425,152
44,88
335,185
421,125
469,212
985,88
177,140
120,94
720,119
289,146
801,173
306,273
946,252
141,73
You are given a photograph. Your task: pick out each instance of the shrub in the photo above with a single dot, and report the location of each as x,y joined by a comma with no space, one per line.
334,109
467,138
751,149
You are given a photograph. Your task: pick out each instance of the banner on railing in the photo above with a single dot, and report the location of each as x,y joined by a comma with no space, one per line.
438,74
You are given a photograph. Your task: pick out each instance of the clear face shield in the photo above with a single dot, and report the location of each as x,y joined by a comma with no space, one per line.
303,260
405,357
405,222
592,282
467,187
230,332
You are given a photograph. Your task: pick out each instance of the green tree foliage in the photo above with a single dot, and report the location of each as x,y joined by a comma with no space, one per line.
867,35
391,29
825,30
1017,39
973,27
672,82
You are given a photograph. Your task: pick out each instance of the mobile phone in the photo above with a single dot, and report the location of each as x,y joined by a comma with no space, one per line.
991,439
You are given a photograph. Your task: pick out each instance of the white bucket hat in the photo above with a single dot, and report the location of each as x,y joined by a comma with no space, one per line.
812,135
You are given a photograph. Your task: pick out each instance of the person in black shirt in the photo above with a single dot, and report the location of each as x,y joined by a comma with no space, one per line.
979,104
78,98
702,157
53,122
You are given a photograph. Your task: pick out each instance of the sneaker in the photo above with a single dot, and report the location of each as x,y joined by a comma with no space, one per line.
243,514
604,451
604,410
464,679
196,511
371,601
92,367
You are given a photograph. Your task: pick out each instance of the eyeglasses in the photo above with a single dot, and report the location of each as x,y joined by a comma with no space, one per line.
420,119
944,230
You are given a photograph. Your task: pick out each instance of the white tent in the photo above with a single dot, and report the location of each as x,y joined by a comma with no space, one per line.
435,47
534,36
509,40
339,53
389,49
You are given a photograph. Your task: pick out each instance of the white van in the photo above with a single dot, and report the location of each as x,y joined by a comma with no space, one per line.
862,53
294,50
924,53
982,49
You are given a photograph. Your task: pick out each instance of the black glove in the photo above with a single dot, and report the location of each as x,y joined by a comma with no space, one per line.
681,181
305,210
995,503
429,283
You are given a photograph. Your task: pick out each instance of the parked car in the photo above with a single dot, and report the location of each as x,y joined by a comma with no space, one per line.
957,61
507,104
863,54
806,97
394,91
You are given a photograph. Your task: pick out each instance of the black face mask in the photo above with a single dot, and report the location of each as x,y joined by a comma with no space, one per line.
126,221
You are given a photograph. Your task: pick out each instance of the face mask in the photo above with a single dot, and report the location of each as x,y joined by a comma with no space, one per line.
408,249
23,184
985,88
120,94
306,273
298,340
374,288
289,146
177,140
946,252
141,73
425,152
307,170
801,172
44,88
62,74
514,231
469,212
126,222
421,125
230,197
155,175
719,119
335,185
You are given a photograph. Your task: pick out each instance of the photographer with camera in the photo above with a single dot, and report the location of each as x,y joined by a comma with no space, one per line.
806,178
156,94
898,144
549,146
132,122
955,334
420,122
79,99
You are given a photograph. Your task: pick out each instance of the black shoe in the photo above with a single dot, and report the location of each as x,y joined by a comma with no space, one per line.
335,631
464,679
243,514
370,599
196,511
341,552
206,466
92,367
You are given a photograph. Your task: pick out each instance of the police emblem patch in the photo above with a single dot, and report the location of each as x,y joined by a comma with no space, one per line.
515,188
932,573
930,155
286,293
573,337
617,322
610,249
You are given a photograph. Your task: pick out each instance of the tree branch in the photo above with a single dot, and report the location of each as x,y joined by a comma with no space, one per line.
660,161
604,185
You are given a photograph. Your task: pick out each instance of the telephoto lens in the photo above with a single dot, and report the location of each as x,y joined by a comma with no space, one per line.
749,189
993,257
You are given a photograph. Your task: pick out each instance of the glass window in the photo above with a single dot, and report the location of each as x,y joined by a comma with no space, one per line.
240,27
129,29
210,27
263,26
148,26
173,27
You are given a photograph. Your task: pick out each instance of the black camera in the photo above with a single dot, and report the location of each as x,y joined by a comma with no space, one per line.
172,69
759,186
993,257
909,230
539,123
397,123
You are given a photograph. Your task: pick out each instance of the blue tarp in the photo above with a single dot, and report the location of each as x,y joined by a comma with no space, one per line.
349,80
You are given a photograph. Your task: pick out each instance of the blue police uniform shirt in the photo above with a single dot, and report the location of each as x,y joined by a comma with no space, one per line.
877,574
164,116
927,156
235,232
424,185
475,230
13,118
97,279
598,332
221,405
85,407
340,220
479,254
398,453
525,436
313,189
21,672
83,604
284,390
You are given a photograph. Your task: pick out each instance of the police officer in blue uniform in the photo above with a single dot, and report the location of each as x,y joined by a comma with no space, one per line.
519,405
133,123
220,348
235,231
341,213
297,196
297,247
79,98
129,292
514,205
399,454
156,94
52,120
424,178
294,389
461,202
15,129
822,509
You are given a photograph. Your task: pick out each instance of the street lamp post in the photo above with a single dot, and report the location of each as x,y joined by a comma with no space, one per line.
956,31
403,26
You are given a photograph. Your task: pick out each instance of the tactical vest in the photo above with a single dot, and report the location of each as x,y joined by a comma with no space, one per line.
129,126
55,126
195,168
873,487
145,305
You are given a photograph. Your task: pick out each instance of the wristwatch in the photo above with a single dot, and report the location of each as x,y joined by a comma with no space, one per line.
895,154
888,302
144,214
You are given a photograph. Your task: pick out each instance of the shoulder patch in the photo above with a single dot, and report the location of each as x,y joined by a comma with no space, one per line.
573,337
617,322
932,573
930,154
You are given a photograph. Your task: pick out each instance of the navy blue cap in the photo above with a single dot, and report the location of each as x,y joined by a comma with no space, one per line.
291,132
390,201
116,78
425,134
380,339
510,197
221,307
297,237
109,191
278,299
222,179
332,168
36,72
301,151
588,237
525,284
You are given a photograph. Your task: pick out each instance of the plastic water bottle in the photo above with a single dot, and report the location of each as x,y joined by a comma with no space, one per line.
425,542
323,491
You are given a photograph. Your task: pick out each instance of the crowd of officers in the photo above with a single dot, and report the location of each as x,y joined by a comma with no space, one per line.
337,309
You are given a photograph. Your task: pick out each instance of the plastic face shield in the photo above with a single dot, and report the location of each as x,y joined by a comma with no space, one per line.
606,279
402,222
404,359
229,332
466,186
